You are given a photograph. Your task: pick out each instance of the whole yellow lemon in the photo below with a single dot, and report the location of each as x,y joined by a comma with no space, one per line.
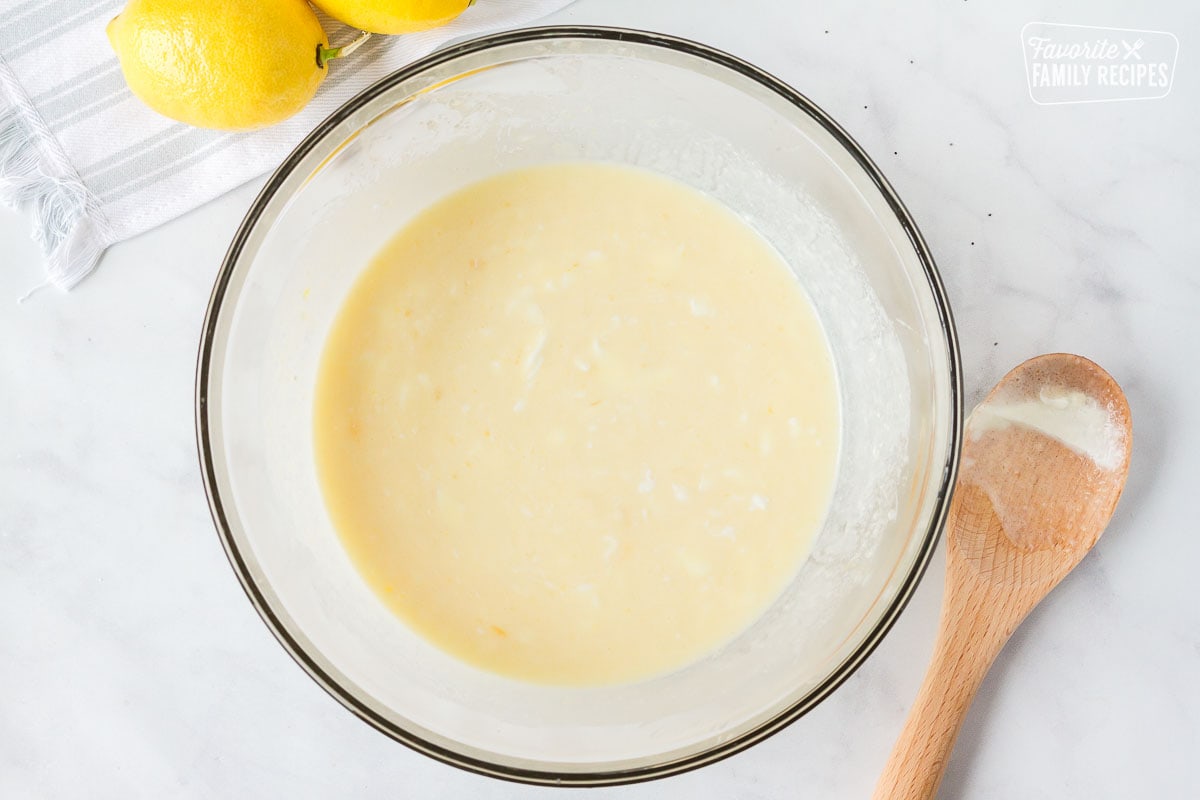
227,64
393,16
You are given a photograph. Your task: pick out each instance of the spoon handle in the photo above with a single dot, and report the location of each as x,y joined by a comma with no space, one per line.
970,636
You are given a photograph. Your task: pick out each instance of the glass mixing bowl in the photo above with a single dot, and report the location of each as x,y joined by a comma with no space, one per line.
559,94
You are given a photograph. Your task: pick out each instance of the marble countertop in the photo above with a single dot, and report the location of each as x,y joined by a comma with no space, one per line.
134,667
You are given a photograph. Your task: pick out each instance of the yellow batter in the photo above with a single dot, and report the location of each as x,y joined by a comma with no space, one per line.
577,424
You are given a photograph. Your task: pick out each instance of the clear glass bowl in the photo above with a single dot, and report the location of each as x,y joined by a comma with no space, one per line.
555,94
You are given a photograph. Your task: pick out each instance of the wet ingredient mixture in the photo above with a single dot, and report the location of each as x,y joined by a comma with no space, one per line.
577,424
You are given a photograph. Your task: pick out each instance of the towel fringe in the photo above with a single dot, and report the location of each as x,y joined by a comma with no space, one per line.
35,174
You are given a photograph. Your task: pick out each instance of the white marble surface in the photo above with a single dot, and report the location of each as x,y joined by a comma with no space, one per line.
133,666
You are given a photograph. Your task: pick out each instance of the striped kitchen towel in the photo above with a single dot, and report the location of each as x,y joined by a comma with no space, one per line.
96,167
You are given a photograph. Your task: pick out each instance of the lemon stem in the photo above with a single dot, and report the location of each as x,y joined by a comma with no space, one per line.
327,54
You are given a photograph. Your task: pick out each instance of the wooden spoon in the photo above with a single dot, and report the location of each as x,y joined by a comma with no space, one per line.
1044,461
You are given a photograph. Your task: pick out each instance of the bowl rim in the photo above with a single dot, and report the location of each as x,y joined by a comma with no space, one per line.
714,752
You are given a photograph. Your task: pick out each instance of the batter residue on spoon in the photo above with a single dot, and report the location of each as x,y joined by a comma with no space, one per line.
577,424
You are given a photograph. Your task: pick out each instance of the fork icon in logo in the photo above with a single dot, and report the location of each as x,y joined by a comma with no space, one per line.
1132,49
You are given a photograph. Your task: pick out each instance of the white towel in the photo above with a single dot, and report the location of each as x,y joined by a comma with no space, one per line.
97,167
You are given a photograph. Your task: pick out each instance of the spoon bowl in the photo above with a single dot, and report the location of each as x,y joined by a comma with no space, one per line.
1028,504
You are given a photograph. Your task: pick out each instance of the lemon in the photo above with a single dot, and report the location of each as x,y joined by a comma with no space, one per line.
393,16
228,64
